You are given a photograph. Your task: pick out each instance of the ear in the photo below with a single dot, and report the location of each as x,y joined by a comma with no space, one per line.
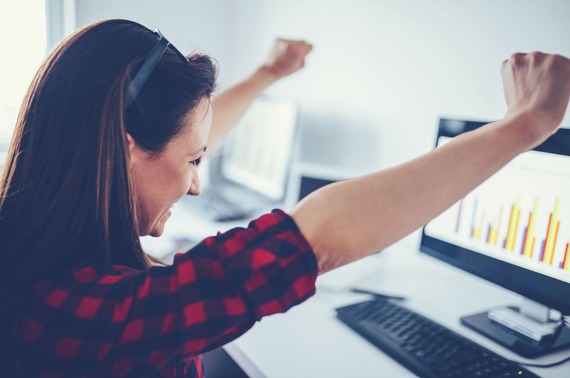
133,149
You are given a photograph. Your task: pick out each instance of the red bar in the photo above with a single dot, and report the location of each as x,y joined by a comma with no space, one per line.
565,257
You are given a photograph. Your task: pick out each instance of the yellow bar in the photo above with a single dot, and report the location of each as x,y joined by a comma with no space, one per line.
476,233
551,257
511,229
550,238
498,224
480,228
530,231
554,242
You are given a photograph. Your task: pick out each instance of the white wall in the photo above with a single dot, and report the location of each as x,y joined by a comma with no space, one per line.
382,71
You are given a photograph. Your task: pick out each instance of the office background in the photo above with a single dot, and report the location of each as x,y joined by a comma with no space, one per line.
381,73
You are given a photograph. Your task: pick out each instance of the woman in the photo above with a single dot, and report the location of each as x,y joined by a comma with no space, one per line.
107,141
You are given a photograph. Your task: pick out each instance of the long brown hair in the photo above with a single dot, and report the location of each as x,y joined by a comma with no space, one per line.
66,198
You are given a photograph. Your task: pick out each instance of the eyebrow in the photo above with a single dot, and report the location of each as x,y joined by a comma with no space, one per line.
200,150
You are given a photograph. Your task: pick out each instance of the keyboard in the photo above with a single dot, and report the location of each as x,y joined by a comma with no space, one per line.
423,346
216,207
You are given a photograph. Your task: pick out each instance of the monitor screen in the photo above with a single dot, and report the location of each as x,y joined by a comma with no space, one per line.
258,152
513,229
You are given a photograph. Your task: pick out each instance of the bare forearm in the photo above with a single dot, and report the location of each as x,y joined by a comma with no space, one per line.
230,105
352,219
286,57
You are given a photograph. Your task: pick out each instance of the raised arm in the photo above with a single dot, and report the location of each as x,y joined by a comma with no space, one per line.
286,57
349,220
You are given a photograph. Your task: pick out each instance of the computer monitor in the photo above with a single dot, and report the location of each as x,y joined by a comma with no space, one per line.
258,152
514,230
250,174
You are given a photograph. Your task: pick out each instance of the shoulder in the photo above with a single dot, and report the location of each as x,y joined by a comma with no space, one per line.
83,287
91,274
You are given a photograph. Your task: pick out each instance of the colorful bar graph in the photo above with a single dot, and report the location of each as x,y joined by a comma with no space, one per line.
520,230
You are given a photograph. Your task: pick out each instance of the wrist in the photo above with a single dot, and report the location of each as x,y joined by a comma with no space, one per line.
522,130
266,75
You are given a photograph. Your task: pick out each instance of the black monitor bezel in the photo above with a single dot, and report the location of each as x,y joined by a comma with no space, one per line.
535,286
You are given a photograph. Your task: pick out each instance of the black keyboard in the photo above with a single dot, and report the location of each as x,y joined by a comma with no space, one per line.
423,346
214,206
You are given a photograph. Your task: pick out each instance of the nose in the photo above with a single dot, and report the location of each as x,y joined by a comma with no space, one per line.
194,189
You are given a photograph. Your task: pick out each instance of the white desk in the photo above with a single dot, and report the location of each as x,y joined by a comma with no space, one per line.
309,341
183,230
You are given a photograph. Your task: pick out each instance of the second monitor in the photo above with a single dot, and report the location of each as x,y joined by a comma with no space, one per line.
514,230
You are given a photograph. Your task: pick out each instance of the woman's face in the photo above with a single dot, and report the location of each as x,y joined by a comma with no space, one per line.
163,179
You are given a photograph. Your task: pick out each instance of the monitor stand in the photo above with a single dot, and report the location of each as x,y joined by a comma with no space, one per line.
527,330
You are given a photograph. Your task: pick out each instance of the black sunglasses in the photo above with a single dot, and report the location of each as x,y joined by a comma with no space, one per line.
148,66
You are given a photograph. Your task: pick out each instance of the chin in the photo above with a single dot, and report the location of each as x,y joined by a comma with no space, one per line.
157,228
157,231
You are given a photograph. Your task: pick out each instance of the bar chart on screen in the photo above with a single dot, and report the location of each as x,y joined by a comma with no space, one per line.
534,233
516,217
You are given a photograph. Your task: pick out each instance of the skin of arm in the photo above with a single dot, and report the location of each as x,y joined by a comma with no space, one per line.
346,221
285,58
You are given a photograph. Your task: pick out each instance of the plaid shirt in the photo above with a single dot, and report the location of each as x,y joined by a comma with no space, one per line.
116,321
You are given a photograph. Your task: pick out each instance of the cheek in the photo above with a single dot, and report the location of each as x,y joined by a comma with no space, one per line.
162,187
185,180
173,184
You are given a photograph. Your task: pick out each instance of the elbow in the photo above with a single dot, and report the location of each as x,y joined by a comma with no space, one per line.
320,220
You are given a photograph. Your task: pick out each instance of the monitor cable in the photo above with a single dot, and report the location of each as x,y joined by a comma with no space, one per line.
565,323
564,360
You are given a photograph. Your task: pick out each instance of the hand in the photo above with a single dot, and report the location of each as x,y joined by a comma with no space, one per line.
537,87
229,106
287,57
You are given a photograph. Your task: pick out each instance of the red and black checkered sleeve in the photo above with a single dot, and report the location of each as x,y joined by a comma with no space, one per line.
209,296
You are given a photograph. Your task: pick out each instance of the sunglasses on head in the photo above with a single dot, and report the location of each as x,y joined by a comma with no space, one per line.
148,66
